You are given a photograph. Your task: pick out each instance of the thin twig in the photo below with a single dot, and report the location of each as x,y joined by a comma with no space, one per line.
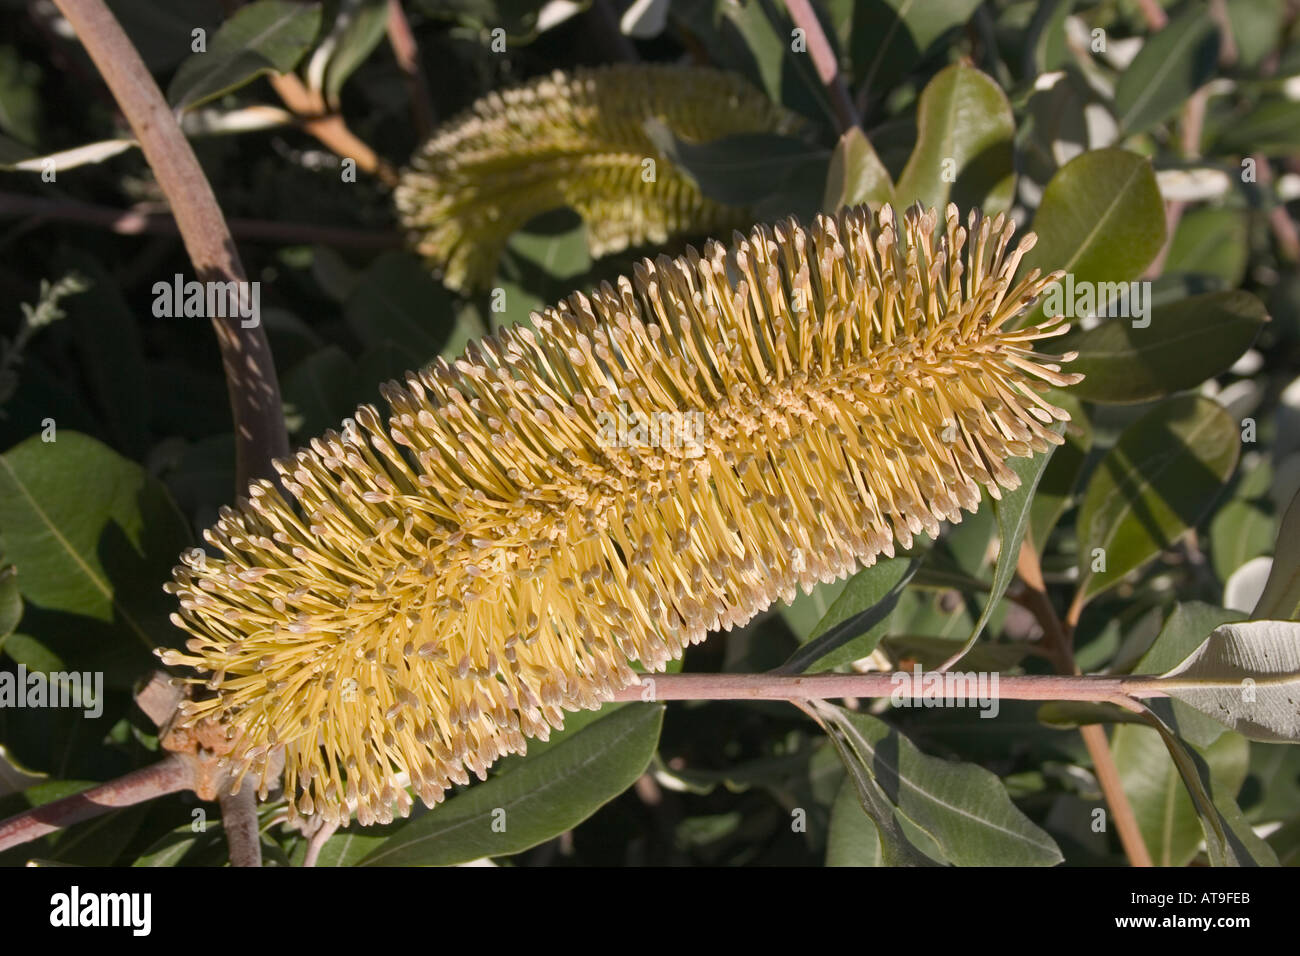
1228,52
825,61
329,128
1094,736
170,775
1279,220
407,53
880,684
134,222
1154,14
316,842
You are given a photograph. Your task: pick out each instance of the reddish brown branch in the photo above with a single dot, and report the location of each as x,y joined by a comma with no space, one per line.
256,407
1279,220
824,60
239,821
1094,737
171,775
879,684
1154,14
246,355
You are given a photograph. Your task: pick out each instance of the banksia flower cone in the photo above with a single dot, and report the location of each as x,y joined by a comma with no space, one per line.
575,140
451,582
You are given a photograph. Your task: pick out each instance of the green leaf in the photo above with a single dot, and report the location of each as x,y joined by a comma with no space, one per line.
349,847
1183,632
317,390
534,802
1165,811
856,175
932,652
891,36
173,847
1245,675
352,41
1254,25
1239,531
1229,838
1047,48
1281,597
162,30
1244,527
108,343
1158,480
1171,65
1182,345
1056,487
91,535
1101,218
11,603
1211,241
541,264
773,174
1012,512
895,842
1073,714
1271,128
852,840
964,129
20,103
855,622
269,36
398,302
963,809
763,31
1162,808
1275,780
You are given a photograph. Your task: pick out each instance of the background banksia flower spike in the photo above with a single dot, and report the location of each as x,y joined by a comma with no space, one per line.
577,140
451,581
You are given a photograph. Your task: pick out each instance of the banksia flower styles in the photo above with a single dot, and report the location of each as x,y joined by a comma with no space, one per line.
575,140
452,581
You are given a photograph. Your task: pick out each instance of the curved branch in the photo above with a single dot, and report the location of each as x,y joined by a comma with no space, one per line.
171,775
260,434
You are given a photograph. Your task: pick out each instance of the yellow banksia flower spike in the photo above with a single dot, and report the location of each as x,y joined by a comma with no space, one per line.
447,584
577,140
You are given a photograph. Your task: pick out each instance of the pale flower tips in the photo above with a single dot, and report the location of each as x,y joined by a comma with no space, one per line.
661,458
